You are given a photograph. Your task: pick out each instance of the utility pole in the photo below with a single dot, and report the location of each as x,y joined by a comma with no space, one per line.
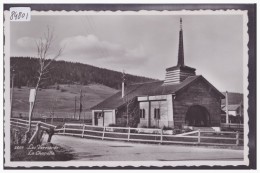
240,112
80,103
12,92
123,84
53,109
124,97
227,118
75,107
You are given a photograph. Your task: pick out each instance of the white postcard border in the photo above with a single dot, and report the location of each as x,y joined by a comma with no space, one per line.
9,163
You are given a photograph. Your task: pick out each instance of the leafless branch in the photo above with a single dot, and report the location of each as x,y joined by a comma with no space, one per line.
43,45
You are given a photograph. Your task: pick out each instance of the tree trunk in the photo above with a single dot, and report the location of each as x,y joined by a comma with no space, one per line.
50,133
33,104
27,133
75,107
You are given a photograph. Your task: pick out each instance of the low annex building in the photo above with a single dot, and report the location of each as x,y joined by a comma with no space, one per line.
235,113
182,99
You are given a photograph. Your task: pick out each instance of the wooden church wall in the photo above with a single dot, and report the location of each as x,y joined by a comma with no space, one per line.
201,94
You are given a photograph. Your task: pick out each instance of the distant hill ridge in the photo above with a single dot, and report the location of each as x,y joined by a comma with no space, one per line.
233,98
62,72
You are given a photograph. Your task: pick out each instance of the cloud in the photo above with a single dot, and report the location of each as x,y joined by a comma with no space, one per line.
24,46
27,47
91,47
26,42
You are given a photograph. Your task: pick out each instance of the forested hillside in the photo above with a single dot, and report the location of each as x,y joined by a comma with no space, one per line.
233,98
62,72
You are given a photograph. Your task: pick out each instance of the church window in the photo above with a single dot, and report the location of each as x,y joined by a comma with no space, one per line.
157,113
142,113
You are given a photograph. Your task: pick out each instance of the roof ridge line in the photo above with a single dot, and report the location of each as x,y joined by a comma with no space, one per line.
141,84
146,82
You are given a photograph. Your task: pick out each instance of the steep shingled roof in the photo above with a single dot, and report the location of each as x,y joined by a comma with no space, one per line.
148,89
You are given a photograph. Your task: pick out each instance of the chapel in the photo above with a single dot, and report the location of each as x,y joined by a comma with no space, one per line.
183,98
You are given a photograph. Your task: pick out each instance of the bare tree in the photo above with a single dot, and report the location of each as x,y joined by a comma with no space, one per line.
131,110
128,102
12,71
44,45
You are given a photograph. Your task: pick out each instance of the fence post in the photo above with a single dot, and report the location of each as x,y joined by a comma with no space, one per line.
161,136
237,138
64,127
104,129
198,136
129,131
83,130
16,137
17,122
35,135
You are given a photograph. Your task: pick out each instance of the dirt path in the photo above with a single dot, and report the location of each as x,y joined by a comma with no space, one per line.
98,150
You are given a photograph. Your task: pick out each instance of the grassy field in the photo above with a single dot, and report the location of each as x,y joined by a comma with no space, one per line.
60,100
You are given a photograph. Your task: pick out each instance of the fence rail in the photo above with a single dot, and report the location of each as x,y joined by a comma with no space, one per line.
25,123
36,129
232,126
151,135
70,115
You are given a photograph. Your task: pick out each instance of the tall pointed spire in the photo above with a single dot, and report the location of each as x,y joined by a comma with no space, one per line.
181,51
178,73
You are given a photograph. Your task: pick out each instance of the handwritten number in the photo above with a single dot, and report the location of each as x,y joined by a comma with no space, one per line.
18,15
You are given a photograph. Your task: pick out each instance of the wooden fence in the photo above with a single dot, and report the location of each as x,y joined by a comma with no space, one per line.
232,126
84,115
151,135
37,127
16,122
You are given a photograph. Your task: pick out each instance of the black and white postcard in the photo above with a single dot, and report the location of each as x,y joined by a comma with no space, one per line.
123,87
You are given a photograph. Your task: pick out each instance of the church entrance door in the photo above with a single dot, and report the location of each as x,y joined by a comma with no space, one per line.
197,116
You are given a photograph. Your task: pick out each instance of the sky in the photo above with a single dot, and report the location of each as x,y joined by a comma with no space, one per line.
143,45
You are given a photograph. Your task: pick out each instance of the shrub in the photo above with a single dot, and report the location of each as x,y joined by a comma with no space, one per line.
185,130
133,131
113,125
176,131
153,127
167,128
57,87
62,90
